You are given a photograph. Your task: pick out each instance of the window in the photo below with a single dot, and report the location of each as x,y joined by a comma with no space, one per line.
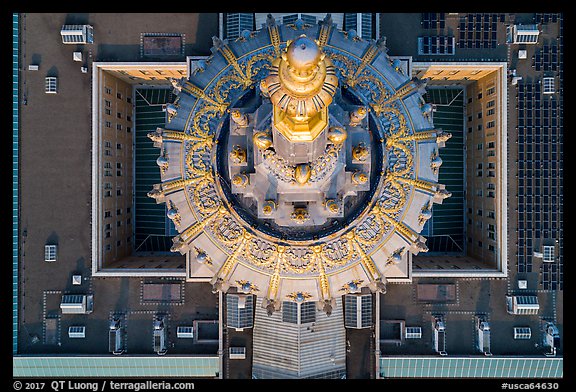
479,114
491,186
119,211
108,153
479,166
479,191
128,118
108,124
107,227
107,234
119,115
128,129
469,129
490,112
492,236
469,99
129,99
479,244
107,144
118,165
108,247
107,173
127,210
118,127
491,91
479,95
119,242
107,103
479,146
490,104
479,173
469,118
50,253
491,227
118,223
119,173
491,165
108,165
119,95
108,111
491,248
108,90
119,192
491,124
128,221
479,224
107,214
548,85
479,127
143,72
491,173
118,146
479,212
107,193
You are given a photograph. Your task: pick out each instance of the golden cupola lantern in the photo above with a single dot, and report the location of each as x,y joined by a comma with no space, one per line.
301,84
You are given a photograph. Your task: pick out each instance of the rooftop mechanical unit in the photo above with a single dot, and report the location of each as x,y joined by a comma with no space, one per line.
522,304
483,332
185,332
439,335
115,345
160,336
77,303
551,339
77,34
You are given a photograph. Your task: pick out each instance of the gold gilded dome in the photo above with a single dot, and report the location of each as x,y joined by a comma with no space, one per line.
337,135
262,140
303,56
302,173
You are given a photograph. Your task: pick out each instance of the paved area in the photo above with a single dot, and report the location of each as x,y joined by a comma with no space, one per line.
55,184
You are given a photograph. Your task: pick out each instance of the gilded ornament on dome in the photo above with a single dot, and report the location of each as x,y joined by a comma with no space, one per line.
299,296
300,215
337,135
302,173
269,207
240,180
360,152
359,177
262,140
238,155
241,119
357,116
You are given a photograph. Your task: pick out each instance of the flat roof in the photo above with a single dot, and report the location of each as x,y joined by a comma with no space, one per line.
115,366
462,367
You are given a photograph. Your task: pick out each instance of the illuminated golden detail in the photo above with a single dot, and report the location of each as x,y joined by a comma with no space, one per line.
200,94
264,88
352,286
232,260
360,152
238,155
202,257
366,59
299,296
274,38
299,260
323,279
332,206
241,119
359,177
302,173
247,287
357,116
366,261
262,140
185,237
269,207
420,184
300,215
173,214
233,61
337,253
337,135
395,257
324,34
302,83
404,91
404,230
275,278
261,253
425,213
240,180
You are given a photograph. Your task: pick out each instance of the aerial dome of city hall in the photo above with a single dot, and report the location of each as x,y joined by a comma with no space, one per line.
299,163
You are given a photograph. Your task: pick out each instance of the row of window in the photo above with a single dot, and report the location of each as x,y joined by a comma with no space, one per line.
479,212
119,126
108,247
491,247
108,213
108,91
